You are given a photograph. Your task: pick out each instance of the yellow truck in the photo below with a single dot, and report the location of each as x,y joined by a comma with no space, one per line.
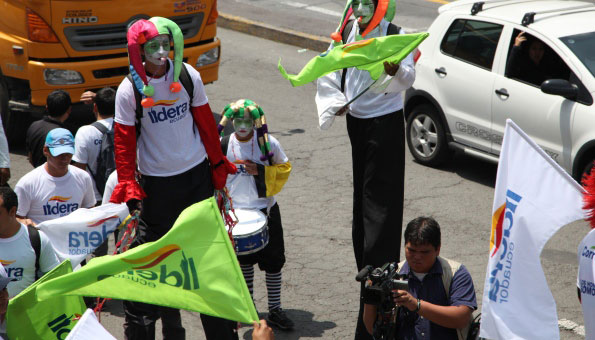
79,45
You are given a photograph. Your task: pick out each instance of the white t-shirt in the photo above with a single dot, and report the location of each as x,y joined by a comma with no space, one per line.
110,184
18,257
242,186
43,197
586,282
169,142
87,144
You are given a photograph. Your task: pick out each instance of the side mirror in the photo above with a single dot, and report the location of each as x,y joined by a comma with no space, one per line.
560,87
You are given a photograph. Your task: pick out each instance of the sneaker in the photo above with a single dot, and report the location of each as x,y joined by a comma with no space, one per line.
278,318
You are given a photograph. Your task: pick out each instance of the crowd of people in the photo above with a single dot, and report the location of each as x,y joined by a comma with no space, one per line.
157,182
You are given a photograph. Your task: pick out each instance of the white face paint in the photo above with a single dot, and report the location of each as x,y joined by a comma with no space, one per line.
157,50
243,126
363,10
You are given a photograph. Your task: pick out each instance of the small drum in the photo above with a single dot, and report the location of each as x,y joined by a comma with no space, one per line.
251,234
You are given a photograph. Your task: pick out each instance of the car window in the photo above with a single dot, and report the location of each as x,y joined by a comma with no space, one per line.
582,46
472,41
532,61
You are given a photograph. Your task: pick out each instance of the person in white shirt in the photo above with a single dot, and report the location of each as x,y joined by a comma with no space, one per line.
88,138
55,188
16,252
375,125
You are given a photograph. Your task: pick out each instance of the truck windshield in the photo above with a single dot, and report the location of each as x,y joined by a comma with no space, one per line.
582,46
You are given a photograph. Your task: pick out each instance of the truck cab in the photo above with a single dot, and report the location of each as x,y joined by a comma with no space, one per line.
79,46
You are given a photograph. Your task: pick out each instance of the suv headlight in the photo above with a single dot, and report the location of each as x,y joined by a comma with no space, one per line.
54,76
209,57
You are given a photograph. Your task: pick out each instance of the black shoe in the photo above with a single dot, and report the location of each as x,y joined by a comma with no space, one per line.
278,318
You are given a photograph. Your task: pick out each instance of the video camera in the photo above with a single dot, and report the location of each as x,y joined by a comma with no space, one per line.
379,283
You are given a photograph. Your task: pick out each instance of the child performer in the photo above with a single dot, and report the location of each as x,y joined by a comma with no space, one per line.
262,171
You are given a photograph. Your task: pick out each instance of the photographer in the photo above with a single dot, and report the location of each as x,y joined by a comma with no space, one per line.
433,308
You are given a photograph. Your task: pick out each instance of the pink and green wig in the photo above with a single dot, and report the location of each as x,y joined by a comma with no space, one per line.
139,33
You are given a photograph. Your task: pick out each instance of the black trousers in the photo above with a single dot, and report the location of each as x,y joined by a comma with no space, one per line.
378,155
272,257
166,198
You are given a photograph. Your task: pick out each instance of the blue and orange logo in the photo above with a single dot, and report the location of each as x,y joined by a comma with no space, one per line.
165,102
6,262
59,199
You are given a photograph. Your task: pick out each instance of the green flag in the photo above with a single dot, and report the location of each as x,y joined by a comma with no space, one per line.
192,267
26,318
369,55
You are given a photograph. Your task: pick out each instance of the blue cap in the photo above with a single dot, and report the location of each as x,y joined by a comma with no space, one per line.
60,141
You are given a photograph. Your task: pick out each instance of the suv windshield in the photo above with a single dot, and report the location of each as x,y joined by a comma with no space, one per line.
582,46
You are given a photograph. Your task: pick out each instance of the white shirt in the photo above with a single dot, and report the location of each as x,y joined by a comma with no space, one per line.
241,186
586,282
87,145
169,143
110,184
329,98
18,257
43,197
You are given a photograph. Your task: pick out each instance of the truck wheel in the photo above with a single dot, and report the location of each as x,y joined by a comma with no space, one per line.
426,136
14,123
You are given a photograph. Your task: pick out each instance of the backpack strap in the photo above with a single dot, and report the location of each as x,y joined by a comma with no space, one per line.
393,29
102,128
449,268
35,240
187,83
139,108
344,36
225,144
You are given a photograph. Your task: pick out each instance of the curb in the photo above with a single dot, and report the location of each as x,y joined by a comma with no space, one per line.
282,35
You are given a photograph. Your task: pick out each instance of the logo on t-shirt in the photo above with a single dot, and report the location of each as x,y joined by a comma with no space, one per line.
58,205
15,273
167,111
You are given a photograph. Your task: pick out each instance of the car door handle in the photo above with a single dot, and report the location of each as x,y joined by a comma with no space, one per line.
441,71
502,92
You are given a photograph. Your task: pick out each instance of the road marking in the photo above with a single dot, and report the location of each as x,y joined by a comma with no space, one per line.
571,326
314,8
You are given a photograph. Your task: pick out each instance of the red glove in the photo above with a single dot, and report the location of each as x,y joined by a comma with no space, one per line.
125,153
220,166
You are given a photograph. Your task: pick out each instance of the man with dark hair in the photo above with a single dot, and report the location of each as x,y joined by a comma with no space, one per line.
88,138
16,251
58,105
441,296
56,188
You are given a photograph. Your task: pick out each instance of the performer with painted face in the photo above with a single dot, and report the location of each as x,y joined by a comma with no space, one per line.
375,126
170,127
263,169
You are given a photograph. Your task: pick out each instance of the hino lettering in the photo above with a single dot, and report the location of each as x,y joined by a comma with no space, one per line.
83,20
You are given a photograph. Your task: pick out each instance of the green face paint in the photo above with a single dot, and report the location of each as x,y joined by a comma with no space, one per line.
243,126
157,50
363,10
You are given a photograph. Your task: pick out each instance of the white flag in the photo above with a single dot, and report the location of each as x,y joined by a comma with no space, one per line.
533,199
88,328
78,234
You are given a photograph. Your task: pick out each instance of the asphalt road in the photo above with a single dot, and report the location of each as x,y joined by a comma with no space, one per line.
319,290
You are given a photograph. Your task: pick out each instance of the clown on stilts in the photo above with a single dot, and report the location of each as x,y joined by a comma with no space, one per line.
375,125
179,156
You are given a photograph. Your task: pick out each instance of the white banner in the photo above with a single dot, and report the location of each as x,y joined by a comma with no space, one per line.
89,328
77,235
534,197
586,282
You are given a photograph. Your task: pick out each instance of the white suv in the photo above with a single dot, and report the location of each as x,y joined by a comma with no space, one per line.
471,78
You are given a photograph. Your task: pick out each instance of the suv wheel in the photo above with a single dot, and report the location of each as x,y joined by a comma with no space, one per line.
426,136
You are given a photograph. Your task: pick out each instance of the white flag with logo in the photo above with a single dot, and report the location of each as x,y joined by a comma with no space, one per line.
534,197
78,234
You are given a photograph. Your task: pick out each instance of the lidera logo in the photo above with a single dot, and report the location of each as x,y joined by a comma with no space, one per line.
58,205
171,114
502,223
185,277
